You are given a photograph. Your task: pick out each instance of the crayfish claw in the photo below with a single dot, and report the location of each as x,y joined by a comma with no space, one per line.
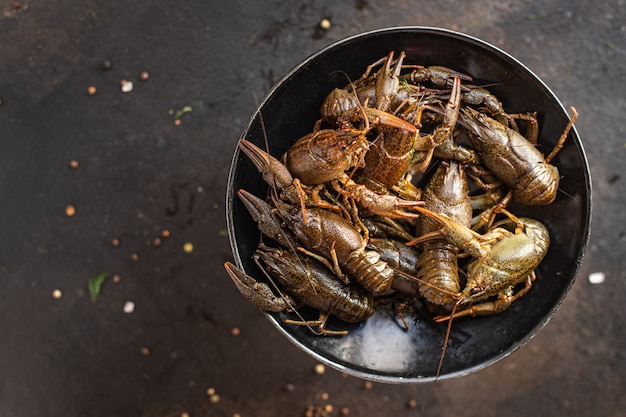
272,170
258,293
261,212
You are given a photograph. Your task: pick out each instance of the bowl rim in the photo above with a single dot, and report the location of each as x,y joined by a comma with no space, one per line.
586,217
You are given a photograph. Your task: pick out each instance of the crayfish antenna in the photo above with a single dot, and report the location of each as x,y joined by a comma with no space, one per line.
443,354
288,300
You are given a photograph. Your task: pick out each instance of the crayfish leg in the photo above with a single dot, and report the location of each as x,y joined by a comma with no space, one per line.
332,266
561,141
504,301
423,166
400,312
336,268
320,323
321,203
301,195
532,125
371,66
437,234
489,215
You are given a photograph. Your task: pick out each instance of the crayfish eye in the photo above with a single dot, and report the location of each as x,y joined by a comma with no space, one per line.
342,145
475,290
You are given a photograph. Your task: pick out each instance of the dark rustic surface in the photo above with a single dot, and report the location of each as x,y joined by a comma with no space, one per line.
141,173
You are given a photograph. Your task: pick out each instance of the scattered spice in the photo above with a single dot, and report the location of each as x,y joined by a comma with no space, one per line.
412,404
188,247
597,277
367,385
70,210
129,307
177,122
126,86
92,90
156,242
144,76
320,369
116,279
106,65
213,396
134,256
145,351
344,411
312,411
94,285
57,294
74,164
325,24
165,233
235,331
324,396
115,242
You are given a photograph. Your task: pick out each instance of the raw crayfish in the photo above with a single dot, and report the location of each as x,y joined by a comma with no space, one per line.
306,281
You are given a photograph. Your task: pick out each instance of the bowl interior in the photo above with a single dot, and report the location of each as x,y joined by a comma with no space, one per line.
378,348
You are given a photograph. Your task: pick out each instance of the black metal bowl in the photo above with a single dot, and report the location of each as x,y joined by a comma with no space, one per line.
379,349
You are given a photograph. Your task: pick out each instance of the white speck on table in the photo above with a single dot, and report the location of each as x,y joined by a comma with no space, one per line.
126,86
129,307
597,277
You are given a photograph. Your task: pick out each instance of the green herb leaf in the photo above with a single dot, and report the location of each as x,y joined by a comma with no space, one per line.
223,232
537,16
94,284
182,111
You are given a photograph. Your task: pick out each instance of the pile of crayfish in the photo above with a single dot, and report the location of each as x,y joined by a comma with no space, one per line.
345,223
